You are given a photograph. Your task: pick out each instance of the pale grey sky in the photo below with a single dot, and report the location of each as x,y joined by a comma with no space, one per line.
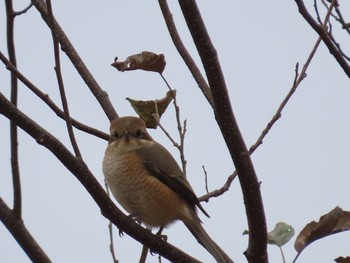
303,164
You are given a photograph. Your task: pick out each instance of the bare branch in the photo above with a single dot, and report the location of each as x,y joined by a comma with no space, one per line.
45,98
297,80
60,82
16,227
257,248
197,75
181,129
322,32
25,10
205,179
67,47
221,190
80,170
110,231
16,179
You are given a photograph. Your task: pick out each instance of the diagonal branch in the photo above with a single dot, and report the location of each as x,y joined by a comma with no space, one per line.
322,32
67,47
45,98
60,82
18,230
80,170
299,77
202,84
257,247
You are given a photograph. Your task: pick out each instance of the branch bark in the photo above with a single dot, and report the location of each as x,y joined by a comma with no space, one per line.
257,247
46,99
197,75
67,47
18,230
322,32
80,170
16,179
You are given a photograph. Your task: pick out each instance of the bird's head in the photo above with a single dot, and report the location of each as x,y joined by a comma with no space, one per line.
129,130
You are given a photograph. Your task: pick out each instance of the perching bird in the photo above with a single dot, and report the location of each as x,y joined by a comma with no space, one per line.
147,181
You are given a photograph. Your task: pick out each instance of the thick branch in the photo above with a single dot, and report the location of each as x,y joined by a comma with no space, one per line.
79,169
18,230
67,47
322,32
257,248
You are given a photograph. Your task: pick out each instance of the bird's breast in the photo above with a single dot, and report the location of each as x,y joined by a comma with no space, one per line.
140,193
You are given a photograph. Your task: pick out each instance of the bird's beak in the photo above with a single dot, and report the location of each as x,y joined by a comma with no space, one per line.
126,135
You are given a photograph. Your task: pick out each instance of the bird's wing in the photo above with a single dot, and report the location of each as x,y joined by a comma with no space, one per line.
162,165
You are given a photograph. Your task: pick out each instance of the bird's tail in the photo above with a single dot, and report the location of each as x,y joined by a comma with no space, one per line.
205,240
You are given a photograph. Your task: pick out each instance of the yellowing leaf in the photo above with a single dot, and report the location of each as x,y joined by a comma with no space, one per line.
146,60
147,109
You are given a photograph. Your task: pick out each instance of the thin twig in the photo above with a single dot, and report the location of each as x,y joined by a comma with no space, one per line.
221,190
333,15
322,32
338,46
197,75
25,10
169,136
100,95
60,82
283,257
317,13
297,80
181,129
16,179
205,179
110,231
144,254
341,19
45,98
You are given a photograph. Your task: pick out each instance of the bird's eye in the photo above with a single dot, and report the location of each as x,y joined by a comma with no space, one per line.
138,133
116,135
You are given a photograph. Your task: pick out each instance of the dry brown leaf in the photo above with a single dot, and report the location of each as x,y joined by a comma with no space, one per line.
335,221
146,60
147,109
342,260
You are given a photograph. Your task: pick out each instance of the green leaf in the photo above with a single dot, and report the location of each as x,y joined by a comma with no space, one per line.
281,234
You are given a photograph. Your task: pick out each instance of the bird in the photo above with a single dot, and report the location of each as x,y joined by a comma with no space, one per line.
148,183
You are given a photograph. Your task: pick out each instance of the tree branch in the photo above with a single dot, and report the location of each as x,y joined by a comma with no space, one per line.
257,247
80,170
16,227
322,32
197,75
67,47
45,98
60,82
16,179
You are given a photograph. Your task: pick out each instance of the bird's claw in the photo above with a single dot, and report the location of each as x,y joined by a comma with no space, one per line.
133,217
